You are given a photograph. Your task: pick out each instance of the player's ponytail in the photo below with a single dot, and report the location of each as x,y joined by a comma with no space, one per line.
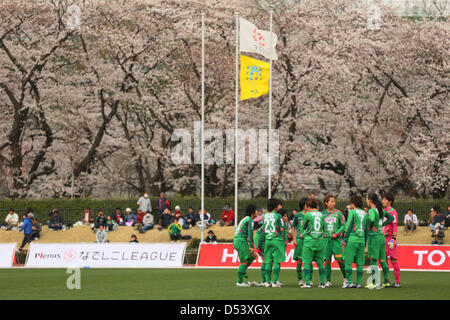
374,198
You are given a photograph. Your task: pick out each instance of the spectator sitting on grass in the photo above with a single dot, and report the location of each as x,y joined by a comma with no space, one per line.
206,218
130,218
99,221
438,235
139,219
101,235
411,222
211,238
437,218
111,225
87,217
134,239
191,218
36,229
227,218
174,230
118,217
447,218
12,220
56,221
148,222
165,219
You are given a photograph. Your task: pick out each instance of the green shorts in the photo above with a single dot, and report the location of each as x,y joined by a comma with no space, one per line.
274,251
332,247
298,250
241,246
376,247
259,243
354,252
313,251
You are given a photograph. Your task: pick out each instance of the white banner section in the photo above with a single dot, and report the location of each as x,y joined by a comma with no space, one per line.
7,254
105,255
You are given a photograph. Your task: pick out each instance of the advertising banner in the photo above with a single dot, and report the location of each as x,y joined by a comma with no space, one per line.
411,257
7,254
105,255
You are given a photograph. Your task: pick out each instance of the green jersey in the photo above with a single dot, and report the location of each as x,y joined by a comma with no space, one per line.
298,224
284,233
272,225
244,231
377,222
356,230
313,226
334,223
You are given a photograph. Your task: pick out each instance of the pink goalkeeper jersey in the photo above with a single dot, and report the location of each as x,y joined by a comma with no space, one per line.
391,228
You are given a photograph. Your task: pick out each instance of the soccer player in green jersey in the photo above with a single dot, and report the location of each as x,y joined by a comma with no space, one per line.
333,229
376,243
243,244
355,241
260,240
274,250
298,235
313,249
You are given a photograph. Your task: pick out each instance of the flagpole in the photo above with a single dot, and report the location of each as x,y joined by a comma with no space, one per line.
270,111
203,130
236,166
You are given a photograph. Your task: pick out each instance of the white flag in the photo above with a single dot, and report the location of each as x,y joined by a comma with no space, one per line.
255,40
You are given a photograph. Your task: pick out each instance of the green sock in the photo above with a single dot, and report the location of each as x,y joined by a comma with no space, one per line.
322,272
299,270
250,260
385,268
241,273
359,274
348,271
373,269
328,271
263,272
276,272
342,267
307,270
268,272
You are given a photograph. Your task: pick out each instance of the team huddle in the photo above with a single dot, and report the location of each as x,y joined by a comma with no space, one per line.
319,235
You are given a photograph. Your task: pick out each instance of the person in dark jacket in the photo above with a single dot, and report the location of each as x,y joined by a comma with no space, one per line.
118,217
166,219
36,229
100,220
162,204
211,238
27,227
191,217
56,221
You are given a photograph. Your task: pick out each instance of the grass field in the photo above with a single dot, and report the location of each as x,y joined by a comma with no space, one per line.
206,284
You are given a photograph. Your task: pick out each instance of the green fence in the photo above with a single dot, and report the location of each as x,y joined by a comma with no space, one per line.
71,210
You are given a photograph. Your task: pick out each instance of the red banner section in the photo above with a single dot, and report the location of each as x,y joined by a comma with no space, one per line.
223,255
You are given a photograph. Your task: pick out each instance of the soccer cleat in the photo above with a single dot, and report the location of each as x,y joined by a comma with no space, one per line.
306,286
345,282
279,283
328,284
322,286
351,285
276,285
396,285
378,287
253,283
346,286
358,286
262,284
386,285
242,284
370,286
311,283
268,285
300,283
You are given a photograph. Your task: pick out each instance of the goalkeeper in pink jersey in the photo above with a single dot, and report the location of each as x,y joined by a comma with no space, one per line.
390,234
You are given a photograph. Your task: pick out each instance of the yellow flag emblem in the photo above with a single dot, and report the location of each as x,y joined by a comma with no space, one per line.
254,77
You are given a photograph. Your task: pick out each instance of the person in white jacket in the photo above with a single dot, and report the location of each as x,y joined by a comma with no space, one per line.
102,236
411,222
144,203
12,220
